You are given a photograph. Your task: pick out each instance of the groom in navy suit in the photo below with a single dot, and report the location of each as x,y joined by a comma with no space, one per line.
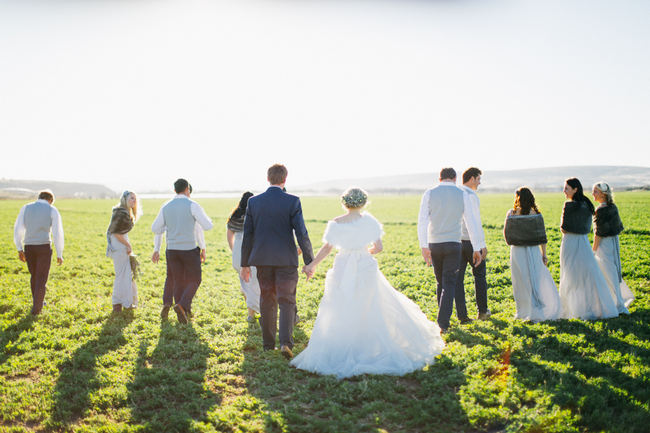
271,220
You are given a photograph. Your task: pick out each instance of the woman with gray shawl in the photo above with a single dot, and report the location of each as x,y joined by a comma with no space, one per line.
607,250
125,214
534,290
234,235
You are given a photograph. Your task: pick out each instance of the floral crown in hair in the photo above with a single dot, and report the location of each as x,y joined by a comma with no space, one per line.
354,198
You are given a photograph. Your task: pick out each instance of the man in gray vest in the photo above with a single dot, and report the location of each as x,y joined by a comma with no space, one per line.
442,212
32,231
178,218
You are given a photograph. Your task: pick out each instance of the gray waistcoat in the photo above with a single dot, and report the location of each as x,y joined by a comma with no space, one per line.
180,224
38,221
446,207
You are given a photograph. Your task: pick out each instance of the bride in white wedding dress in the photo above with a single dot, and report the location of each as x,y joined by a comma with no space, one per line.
364,325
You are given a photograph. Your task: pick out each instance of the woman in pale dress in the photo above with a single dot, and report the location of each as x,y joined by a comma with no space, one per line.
363,324
584,292
534,290
607,227
234,235
124,216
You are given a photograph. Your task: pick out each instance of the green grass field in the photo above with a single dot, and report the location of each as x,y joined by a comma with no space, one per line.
77,368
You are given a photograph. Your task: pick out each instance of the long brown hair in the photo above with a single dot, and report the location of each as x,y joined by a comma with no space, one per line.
525,201
579,195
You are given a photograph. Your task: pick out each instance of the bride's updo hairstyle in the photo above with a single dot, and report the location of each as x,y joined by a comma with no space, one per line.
606,190
354,198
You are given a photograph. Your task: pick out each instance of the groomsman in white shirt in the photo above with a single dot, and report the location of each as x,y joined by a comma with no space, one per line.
36,224
178,218
168,289
471,181
442,212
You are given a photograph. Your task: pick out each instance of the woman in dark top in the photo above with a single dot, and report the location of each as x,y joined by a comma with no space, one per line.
124,216
234,235
583,289
607,226
533,288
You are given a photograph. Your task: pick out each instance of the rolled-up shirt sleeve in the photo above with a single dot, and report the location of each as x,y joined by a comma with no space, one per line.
57,232
423,221
472,219
199,235
158,226
200,216
19,229
157,242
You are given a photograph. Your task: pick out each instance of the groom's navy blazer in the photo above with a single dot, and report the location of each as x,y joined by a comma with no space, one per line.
271,220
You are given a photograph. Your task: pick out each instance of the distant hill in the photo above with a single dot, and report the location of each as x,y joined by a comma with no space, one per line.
539,179
27,189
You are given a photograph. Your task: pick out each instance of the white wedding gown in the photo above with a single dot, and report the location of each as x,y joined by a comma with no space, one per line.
364,325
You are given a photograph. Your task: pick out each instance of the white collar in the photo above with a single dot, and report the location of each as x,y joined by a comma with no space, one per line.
448,183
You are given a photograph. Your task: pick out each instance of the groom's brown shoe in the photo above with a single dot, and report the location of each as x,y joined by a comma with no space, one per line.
286,351
165,311
180,313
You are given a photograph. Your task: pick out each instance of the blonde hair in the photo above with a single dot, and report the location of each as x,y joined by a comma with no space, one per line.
604,187
354,198
124,202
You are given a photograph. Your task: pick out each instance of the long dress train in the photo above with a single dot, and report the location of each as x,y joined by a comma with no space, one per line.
583,289
364,325
534,290
608,256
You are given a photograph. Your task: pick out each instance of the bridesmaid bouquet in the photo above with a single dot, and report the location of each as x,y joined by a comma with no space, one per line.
135,266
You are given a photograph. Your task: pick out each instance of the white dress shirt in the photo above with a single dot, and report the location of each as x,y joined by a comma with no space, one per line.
56,229
475,204
470,218
203,222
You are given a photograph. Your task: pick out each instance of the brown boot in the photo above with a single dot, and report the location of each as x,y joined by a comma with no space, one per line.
117,308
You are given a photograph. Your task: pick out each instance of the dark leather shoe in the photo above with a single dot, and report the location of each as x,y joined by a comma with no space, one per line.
465,320
164,313
286,351
180,313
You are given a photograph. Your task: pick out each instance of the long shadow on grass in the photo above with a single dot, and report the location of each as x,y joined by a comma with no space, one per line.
167,393
78,378
610,394
298,401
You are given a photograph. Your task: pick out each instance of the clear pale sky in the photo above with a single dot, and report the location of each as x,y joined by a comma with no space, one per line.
134,94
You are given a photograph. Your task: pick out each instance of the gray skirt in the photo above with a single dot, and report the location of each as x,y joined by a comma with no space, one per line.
125,291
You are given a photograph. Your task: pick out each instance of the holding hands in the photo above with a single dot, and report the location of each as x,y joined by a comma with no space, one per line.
309,270
245,273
